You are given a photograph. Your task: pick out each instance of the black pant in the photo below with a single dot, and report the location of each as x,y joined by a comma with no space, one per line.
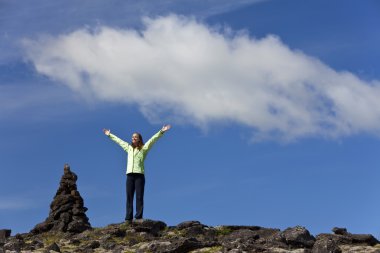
135,183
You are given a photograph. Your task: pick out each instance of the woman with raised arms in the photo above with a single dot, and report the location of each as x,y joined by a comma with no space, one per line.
137,152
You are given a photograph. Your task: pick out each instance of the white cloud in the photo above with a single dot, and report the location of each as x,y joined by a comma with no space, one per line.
180,69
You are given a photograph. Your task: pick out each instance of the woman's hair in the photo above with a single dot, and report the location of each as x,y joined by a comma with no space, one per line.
140,144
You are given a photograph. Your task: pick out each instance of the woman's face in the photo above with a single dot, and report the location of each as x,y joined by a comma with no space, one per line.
135,139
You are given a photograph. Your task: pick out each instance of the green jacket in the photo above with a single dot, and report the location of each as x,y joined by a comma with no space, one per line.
136,157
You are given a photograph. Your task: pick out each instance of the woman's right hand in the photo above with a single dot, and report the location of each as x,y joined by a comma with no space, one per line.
165,128
106,131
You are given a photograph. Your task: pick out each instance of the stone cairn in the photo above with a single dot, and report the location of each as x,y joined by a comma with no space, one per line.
4,234
67,213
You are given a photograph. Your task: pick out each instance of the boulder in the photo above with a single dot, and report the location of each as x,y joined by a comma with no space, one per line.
195,229
298,237
340,231
149,226
242,239
364,239
326,246
190,224
350,239
53,247
180,246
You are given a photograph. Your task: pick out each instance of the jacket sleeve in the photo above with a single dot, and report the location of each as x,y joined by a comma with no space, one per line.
148,145
123,144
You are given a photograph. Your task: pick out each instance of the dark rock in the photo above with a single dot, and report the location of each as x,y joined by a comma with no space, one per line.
243,239
60,201
94,245
67,213
180,246
42,227
234,228
270,238
115,230
326,246
298,237
61,210
74,242
53,247
360,239
118,233
4,234
340,231
350,239
37,244
149,226
78,226
154,246
19,236
267,233
189,224
192,228
338,239
108,244
118,249
60,226
195,229
14,244
250,238
364,239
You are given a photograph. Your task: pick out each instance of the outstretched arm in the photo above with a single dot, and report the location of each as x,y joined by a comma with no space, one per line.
155,137
123,144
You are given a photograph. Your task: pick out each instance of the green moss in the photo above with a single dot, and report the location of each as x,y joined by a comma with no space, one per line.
125,226
68,248
50,238
222,231
127,239
173,233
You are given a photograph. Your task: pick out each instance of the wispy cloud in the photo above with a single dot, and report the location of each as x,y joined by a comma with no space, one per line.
16,203
35,102
200,9
20,19
179,69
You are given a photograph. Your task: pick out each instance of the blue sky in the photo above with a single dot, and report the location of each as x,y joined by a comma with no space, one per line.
273,105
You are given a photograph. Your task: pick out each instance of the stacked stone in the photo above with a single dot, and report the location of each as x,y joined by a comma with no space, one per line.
67,213
4,234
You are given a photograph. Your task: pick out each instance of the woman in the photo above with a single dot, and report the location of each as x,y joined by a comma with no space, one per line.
137,152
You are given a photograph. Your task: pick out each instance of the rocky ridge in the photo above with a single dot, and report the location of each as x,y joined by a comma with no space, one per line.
189,236
67,230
